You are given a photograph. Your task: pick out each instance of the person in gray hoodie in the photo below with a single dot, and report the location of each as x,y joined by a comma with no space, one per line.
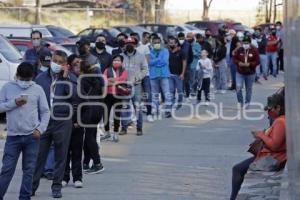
28,114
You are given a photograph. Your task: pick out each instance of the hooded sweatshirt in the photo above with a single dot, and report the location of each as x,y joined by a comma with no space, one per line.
25,119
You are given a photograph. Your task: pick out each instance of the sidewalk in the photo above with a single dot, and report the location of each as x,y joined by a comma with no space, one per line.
174,160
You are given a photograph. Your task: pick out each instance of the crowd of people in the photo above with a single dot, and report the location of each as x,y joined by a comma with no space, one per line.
65,98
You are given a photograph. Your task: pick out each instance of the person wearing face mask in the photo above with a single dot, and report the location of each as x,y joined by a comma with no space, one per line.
196,49
209,38
159,76
32,55
84,50
137,66
100,52
121,37
27,115
280,34
220,66
114,75
45,57
272,51
60,126
74,156
262,43
188,53
177,65
246,60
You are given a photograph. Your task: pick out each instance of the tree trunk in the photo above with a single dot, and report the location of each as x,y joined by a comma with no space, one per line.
38,12
206,6
275,11
270,11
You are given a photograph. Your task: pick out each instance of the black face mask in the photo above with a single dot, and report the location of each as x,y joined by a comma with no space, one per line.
100,45
274,33
172,47
207,35
82,50
121,43
129,48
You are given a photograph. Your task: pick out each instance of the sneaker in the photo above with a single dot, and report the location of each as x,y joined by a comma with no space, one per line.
168,115
222,91
115,137
247,106
78,184
240,106
139,132
206,103
106,136
57,194
265,77
178,107
64,183
95,169
85,167
123,132
150,118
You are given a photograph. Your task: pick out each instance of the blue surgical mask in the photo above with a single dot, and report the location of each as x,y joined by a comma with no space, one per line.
43,68
25,84
56,68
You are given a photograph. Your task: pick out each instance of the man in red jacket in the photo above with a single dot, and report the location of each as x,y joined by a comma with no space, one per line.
246,60
272,49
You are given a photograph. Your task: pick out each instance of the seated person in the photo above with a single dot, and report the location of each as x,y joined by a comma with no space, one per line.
274,140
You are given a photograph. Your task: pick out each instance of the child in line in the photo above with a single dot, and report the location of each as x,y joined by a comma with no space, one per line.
205,71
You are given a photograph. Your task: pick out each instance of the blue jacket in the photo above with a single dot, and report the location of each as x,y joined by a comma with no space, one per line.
196,47
64,93
25,119
159,64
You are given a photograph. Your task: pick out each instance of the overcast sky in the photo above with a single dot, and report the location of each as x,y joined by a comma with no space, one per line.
216,4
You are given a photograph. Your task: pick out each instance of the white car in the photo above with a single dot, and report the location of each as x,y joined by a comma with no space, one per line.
187,28
10,58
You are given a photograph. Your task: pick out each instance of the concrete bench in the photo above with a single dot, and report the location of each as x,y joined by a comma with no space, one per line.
261,186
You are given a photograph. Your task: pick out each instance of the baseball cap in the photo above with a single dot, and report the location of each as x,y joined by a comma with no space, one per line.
83,41
130,40
45,56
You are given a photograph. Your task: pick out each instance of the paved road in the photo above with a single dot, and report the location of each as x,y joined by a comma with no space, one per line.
174,160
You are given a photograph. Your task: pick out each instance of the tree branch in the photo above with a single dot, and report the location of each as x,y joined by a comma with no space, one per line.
209,4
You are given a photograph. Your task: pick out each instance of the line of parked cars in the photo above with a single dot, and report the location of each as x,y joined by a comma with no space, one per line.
15,39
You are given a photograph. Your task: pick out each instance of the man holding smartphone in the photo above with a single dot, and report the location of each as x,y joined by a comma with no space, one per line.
28,114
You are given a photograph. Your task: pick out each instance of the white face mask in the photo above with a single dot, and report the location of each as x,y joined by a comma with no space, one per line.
246,46
181,42
56,68
278,27
43,68
24,84
36,43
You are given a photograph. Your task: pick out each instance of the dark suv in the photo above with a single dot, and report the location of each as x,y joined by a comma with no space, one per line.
164,29
214,26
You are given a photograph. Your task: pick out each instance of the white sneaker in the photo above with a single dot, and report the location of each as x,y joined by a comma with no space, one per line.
64,183
206,103
78,184
240,106
223,91
247,106
150,118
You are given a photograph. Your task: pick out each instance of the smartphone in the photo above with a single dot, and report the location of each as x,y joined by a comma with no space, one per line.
24,96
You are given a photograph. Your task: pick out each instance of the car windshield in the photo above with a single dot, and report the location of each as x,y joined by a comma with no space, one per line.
60,32
114,32
190,27
44,32
9,51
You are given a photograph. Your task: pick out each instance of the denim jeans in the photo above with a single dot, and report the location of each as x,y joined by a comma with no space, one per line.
14,146
248,80
163,84
50,163
192,79
176,84
147,97
272,57
238,174
136,101
263,67
221,75
232,72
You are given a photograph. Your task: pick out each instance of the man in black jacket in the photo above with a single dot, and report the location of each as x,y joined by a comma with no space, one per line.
100,52
204,45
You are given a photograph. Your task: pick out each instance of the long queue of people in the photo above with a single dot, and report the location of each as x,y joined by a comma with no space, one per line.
57,101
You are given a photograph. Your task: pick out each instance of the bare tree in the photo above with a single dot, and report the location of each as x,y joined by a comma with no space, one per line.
206,6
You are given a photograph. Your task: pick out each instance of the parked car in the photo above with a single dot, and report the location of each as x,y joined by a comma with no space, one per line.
62,35
164,29
214,26
10,58
91,34
187,28
22,44
265,26
131,29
